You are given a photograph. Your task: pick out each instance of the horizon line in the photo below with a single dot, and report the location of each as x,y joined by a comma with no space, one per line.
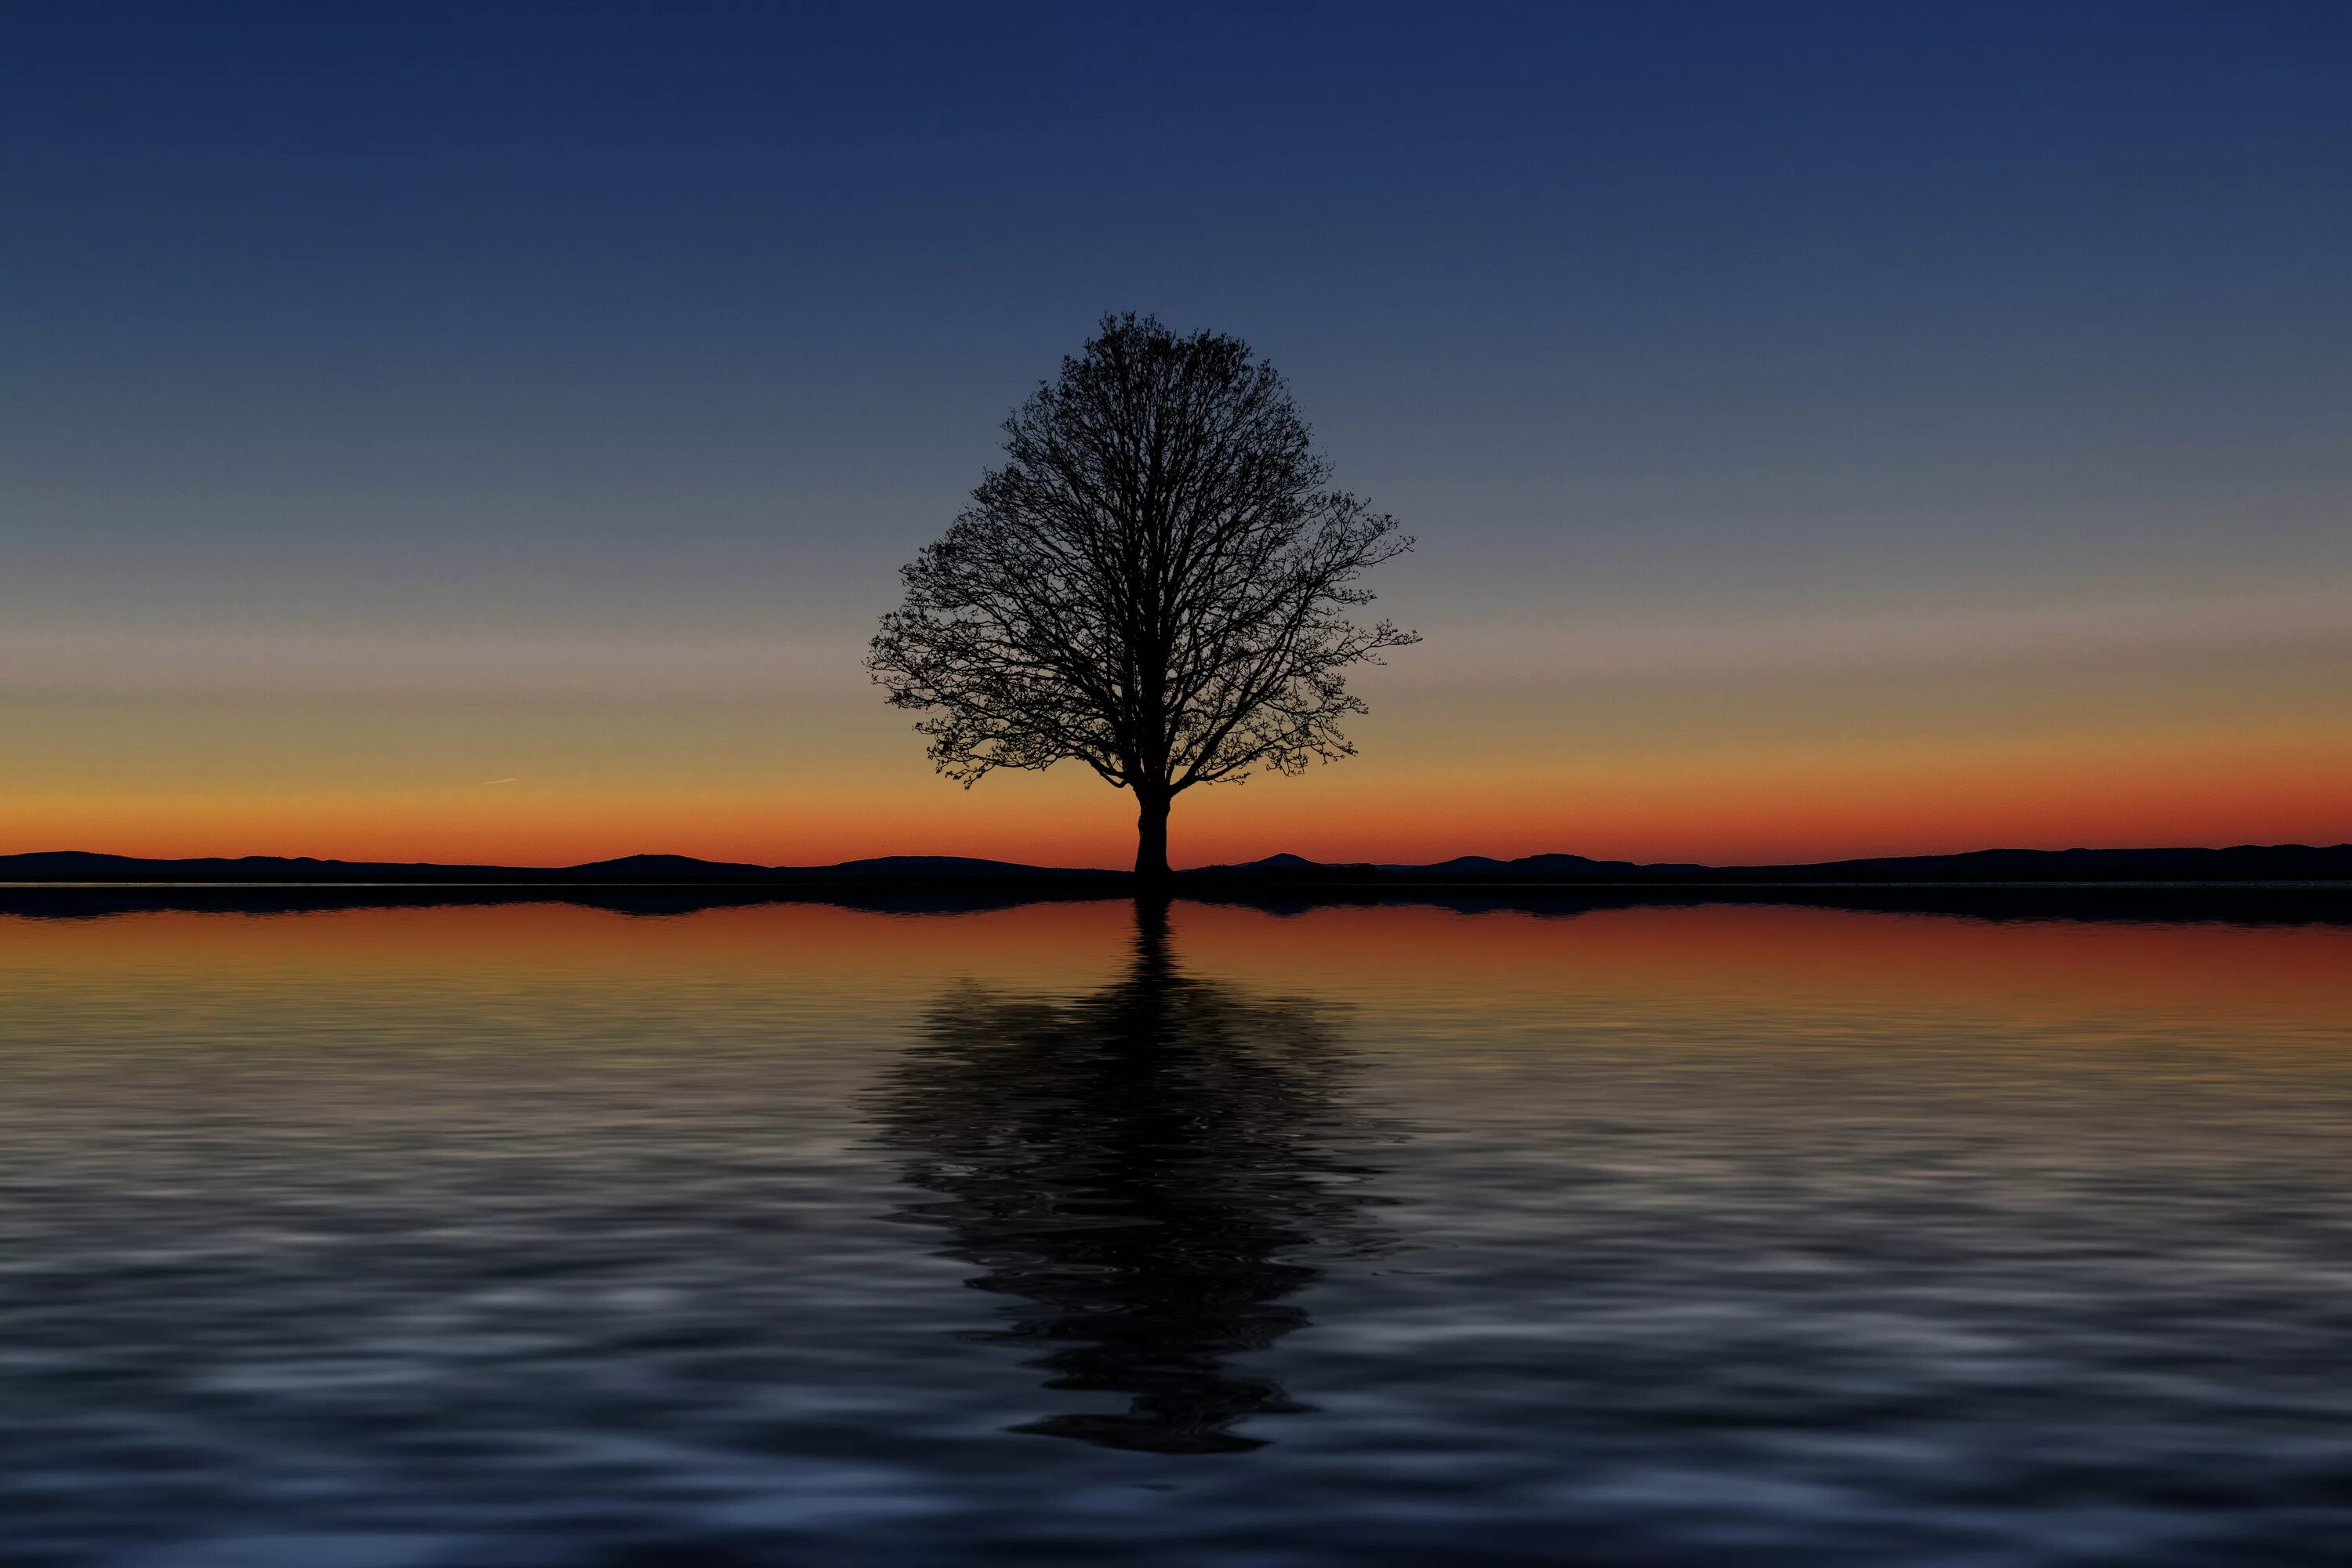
1277,859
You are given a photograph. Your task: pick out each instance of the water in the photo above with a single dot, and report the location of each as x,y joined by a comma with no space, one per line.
533,1234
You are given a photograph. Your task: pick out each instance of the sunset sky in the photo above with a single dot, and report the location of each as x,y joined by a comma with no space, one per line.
490,432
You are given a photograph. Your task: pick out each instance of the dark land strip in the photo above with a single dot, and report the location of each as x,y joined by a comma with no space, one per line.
2241,903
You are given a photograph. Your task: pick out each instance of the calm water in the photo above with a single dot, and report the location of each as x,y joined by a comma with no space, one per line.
533,1234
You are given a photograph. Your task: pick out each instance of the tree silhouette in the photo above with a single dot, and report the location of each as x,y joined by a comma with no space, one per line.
1156,582
1145,1168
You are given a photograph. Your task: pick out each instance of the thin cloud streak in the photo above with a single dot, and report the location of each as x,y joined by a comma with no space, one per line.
546,667
558,667
1847,643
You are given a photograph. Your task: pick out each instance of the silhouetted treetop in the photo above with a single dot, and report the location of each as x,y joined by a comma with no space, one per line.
1157,582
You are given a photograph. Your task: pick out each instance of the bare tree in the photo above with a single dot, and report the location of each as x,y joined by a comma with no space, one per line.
1156,582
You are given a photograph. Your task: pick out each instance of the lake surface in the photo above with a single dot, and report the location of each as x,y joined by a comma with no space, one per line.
535,1234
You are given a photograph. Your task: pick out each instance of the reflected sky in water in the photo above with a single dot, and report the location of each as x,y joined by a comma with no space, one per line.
533,1234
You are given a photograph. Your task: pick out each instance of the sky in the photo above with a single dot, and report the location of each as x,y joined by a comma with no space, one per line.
492,432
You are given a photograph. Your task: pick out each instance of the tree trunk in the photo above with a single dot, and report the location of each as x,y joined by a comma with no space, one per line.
1151,836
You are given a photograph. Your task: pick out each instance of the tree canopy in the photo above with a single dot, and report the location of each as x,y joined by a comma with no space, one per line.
1158,582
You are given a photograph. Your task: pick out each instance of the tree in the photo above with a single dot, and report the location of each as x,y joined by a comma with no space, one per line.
1156,582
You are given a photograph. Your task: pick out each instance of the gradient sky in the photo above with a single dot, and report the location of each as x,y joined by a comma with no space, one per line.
491,431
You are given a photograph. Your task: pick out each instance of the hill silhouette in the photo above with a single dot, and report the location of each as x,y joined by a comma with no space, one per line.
80,866
2238,863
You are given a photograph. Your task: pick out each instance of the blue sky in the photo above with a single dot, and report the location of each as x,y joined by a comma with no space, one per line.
418,354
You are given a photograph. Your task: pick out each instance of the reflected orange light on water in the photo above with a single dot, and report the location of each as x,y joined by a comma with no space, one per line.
1773,957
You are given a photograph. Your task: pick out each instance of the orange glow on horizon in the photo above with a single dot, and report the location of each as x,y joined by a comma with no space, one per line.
1728,808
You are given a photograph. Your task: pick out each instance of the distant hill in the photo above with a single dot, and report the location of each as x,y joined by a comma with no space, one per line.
78,865
1543,865
663,867
940,866
2239,863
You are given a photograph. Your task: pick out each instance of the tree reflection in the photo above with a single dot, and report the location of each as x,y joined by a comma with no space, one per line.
1151,1168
